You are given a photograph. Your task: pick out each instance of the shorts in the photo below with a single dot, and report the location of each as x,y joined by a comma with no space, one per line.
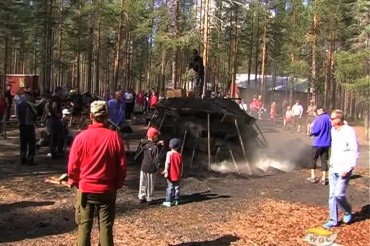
310,119
323,153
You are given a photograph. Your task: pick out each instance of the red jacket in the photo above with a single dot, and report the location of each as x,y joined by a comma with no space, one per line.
153,101
97,160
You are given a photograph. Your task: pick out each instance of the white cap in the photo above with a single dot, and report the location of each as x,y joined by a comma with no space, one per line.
66,112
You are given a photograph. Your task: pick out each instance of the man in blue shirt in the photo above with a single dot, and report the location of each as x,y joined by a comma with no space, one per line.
116,108
320,130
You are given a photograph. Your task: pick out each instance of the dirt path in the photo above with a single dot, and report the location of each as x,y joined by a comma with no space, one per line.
216,209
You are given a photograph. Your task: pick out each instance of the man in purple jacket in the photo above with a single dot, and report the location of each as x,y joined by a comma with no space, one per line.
320,130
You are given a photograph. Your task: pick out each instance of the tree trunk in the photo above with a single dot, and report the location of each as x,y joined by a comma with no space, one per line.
175,32
264,58
256,54
97,62
118,46
251,51
328,75
205,45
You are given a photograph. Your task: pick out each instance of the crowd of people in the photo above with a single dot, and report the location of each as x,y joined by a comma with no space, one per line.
97,164
60,111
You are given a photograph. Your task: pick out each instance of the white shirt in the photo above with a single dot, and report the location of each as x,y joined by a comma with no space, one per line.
344,149
129,97
243,106
297,110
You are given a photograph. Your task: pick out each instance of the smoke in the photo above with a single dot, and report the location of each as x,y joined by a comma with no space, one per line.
285,156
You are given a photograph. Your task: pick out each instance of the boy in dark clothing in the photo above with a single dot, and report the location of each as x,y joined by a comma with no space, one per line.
149,166
173,171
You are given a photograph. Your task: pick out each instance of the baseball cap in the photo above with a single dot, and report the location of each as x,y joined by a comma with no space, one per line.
99,108
152,131
66,112
174,143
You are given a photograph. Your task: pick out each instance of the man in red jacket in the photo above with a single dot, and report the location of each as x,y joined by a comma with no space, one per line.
97,166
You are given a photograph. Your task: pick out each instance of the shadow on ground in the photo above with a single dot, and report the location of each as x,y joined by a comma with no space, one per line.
363,214
23,204
25,223
221,241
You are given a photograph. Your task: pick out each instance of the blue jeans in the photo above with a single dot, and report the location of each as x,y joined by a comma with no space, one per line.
337,195
173,191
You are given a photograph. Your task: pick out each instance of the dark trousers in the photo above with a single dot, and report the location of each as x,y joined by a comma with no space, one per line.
129,109
28,143
8,112
104,205
55,130
323,153
1,124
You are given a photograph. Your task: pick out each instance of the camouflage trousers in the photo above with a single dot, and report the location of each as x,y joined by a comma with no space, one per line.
87,205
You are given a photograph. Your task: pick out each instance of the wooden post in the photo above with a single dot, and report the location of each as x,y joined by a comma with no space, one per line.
209,142
183,141
242,145
263,137
192,157
182,149
236,165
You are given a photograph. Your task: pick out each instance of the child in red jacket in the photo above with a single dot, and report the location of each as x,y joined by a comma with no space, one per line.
173,171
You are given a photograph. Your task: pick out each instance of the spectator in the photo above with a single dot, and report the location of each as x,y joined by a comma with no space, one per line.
54,124
311,114
173,171
297,115
9,101
97,167
77,106
273,113
140,99
3,108
288,119
153,100
116,109
129,103
320,131
243,105
343,158
150,165
26,115
254,107
68,135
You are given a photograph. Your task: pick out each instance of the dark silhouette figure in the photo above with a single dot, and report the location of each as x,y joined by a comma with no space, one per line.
196,63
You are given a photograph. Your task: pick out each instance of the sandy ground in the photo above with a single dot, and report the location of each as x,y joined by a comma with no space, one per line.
276,208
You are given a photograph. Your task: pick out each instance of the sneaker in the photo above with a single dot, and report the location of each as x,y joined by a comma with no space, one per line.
312,180
323,182
347,218
329,224
167,204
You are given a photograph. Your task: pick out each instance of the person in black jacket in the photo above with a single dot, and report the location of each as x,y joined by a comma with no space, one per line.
196,63
53,112
150,165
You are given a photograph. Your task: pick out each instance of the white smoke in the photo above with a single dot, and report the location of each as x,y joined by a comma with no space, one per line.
264,164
